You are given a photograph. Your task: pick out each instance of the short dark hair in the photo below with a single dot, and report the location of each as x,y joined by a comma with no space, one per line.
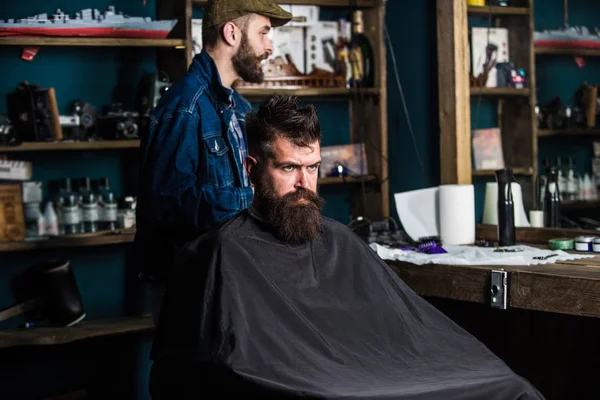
281,115
211,35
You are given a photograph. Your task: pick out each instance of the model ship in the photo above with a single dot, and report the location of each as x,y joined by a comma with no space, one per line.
569,37
88,23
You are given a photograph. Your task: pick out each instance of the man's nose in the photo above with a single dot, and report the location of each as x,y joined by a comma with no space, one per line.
302,179
269,47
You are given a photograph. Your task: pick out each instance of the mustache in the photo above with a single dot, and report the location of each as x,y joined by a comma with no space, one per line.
301,193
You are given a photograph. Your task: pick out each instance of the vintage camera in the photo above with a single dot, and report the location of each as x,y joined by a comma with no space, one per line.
34,112
119,124
8,134
152,87
81,124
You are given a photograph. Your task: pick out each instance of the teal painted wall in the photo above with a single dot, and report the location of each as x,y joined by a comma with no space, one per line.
412,29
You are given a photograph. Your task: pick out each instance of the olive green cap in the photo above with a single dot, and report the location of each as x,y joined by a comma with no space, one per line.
221,11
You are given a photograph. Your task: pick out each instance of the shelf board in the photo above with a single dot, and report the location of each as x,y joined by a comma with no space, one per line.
566,52
83,240
568,132
321,3
334,180
580,204
496,10
86,41
46,336
307,92
491,172
491,91
52,146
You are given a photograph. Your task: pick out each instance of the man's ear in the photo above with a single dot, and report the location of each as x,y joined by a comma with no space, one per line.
250,163
231,34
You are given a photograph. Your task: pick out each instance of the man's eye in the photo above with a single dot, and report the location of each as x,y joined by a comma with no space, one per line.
313,167
288,168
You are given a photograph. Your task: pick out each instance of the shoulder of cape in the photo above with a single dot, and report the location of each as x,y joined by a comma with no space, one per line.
338,229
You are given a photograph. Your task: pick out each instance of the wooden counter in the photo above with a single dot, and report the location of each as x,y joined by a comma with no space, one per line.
566,287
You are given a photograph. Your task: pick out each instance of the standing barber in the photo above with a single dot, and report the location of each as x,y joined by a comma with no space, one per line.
192,176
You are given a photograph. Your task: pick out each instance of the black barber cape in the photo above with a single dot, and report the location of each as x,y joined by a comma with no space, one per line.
247,314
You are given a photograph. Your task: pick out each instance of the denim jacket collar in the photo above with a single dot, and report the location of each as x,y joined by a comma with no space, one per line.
205,69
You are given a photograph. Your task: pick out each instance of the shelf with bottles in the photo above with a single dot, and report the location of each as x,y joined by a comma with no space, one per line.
75,214
101,238
91,42
48,336
72,145
577,188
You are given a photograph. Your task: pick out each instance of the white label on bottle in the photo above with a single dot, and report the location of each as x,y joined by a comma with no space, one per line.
90,212
110,212
70,215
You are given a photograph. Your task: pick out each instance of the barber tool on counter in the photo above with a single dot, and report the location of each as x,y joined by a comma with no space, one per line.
506,208
552,199
536,215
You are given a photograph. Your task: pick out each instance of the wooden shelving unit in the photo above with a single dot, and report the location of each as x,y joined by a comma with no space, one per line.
516,107
59,146
48,336
83,240
568,132
491,172
257,93
93,42
566,52
492,91
320,3
496,10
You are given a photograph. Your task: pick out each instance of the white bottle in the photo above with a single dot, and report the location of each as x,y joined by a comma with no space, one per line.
587,184
581,189
51,220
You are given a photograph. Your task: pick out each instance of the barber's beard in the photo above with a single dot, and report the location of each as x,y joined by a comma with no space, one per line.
246,64
294,222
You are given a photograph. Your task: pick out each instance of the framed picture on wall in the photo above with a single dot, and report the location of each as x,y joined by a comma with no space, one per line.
487,149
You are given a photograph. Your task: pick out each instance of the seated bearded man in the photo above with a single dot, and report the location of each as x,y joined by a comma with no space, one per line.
282,302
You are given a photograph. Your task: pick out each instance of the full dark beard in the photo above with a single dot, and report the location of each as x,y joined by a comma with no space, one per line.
247,64
294,223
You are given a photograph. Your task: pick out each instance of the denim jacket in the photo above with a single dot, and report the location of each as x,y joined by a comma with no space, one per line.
191,174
